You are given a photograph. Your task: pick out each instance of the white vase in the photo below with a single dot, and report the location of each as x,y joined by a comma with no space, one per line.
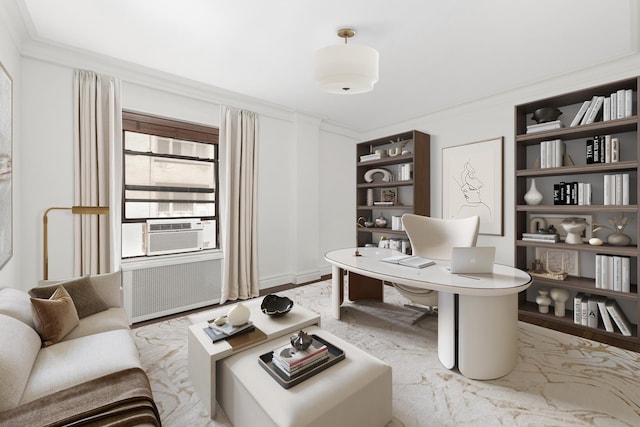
369,196
533,196
543,301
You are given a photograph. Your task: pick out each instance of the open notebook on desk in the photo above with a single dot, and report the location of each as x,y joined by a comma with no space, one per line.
409,261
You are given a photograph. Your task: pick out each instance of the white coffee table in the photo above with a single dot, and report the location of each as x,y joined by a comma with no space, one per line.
203,354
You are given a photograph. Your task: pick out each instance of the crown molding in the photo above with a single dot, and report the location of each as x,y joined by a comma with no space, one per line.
136,74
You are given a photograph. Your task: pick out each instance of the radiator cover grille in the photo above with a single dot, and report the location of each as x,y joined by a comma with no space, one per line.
171,288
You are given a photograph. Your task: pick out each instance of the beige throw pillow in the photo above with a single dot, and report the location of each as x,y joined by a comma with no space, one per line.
85,297
54,317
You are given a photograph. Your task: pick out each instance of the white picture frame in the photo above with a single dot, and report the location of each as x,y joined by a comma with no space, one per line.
545,220
472,183
572,260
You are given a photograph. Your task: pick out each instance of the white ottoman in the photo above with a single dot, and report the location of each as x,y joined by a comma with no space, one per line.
354,392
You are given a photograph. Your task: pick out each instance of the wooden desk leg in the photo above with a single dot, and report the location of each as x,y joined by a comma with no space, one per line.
363,287
487,335
337,289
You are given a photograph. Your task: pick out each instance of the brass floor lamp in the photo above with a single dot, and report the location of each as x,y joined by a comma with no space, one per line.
75,210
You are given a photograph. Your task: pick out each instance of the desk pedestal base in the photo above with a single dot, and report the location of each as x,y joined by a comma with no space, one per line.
487,335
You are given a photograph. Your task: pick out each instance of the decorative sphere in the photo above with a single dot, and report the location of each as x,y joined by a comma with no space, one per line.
595,241
238,315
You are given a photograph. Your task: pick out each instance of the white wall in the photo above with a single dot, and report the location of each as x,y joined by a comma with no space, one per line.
288,168
10,58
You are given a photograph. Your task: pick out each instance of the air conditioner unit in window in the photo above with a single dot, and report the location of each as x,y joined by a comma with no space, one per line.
169,236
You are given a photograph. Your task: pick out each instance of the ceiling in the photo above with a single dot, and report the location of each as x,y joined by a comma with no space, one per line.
433,54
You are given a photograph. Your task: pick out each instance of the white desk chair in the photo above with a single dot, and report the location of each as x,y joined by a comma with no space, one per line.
433,238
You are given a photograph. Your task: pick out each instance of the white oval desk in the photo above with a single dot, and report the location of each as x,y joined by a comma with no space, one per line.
481,308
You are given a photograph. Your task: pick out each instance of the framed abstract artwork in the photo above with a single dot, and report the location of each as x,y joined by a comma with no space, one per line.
6,178
472,177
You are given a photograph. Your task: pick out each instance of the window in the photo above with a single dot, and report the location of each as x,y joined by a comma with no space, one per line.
170,172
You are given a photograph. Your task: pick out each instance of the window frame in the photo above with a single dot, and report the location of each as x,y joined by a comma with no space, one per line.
133,121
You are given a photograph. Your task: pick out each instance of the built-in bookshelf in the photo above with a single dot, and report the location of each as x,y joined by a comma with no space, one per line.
392,178
608,192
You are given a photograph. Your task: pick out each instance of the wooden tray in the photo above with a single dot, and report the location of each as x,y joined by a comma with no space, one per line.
335,355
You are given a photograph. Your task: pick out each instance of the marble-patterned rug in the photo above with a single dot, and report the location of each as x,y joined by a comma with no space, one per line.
560,380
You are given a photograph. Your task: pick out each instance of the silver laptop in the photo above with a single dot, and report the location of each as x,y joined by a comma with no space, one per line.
478,259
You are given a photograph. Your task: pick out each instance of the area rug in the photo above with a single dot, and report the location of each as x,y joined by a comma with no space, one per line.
560,380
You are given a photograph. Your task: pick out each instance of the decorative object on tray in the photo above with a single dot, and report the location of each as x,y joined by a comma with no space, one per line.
369,176
274,305
275,362
533,196
574,228
238,315
617,238
546,114
559,297
301,341
543,300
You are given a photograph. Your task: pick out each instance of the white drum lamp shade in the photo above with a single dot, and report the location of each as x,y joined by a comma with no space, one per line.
346,68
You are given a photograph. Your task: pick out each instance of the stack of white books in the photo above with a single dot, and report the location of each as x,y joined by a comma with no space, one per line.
372,156
616,189
540,127
613,272
539,237
292,362
552,153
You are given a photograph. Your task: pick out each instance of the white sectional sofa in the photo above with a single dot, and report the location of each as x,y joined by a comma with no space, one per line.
97,358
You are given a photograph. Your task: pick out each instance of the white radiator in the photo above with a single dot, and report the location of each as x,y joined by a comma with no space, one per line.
168,285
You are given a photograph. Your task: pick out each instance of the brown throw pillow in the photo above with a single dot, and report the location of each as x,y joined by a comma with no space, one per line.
85,297
54,317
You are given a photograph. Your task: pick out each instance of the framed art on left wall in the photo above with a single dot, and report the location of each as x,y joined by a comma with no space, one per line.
6,175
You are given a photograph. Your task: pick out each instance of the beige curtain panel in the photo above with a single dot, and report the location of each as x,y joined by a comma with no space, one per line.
238,148
97,136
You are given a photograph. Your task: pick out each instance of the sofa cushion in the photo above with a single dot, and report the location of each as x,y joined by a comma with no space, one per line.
85,297
54,317
108,320
19,347
17,304
73,362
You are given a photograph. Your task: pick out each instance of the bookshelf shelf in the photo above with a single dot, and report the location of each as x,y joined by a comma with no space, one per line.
527,168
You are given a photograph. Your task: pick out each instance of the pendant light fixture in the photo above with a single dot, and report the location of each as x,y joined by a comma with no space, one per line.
346,68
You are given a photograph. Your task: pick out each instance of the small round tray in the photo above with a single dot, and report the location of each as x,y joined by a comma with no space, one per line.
275,305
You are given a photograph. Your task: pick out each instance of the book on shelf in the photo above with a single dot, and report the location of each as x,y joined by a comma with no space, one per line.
594,111
621,104
578,117
540,127
383,203
592,312
604,313
606,109
592,104
552,153
628,102
577,308
409,261
615,150
619,318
